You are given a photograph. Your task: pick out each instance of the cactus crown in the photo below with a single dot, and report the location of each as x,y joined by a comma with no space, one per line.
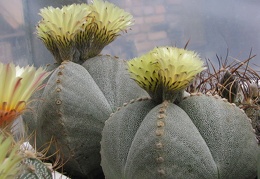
87,28
165,71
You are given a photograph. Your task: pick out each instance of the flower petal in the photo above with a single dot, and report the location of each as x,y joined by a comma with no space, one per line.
16,86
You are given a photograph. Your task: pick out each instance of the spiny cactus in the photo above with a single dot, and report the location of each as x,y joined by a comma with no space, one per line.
236,81
251,106
229,87
196,137
34,168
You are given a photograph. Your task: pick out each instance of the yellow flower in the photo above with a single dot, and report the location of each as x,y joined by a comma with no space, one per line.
16,86
177,67
87,28
58,28
144,70
110,19
62,24
102,26
42,32
165,69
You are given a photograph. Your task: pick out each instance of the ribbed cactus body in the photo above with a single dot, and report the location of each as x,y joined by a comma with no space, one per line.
227,132
76,103
202,137
73,112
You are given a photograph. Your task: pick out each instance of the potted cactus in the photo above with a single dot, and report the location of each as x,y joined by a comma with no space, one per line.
171,136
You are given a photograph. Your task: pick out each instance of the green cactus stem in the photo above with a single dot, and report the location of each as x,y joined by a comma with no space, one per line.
77,100
73,112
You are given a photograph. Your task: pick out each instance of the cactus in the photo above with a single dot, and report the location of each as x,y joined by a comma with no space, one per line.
34,168
169,137
229,87
76,102
250,94
236,81
85,88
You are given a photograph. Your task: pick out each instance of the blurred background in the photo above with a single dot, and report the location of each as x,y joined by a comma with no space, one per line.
211,26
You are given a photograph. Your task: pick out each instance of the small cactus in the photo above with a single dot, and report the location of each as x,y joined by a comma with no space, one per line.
34,168
229,87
